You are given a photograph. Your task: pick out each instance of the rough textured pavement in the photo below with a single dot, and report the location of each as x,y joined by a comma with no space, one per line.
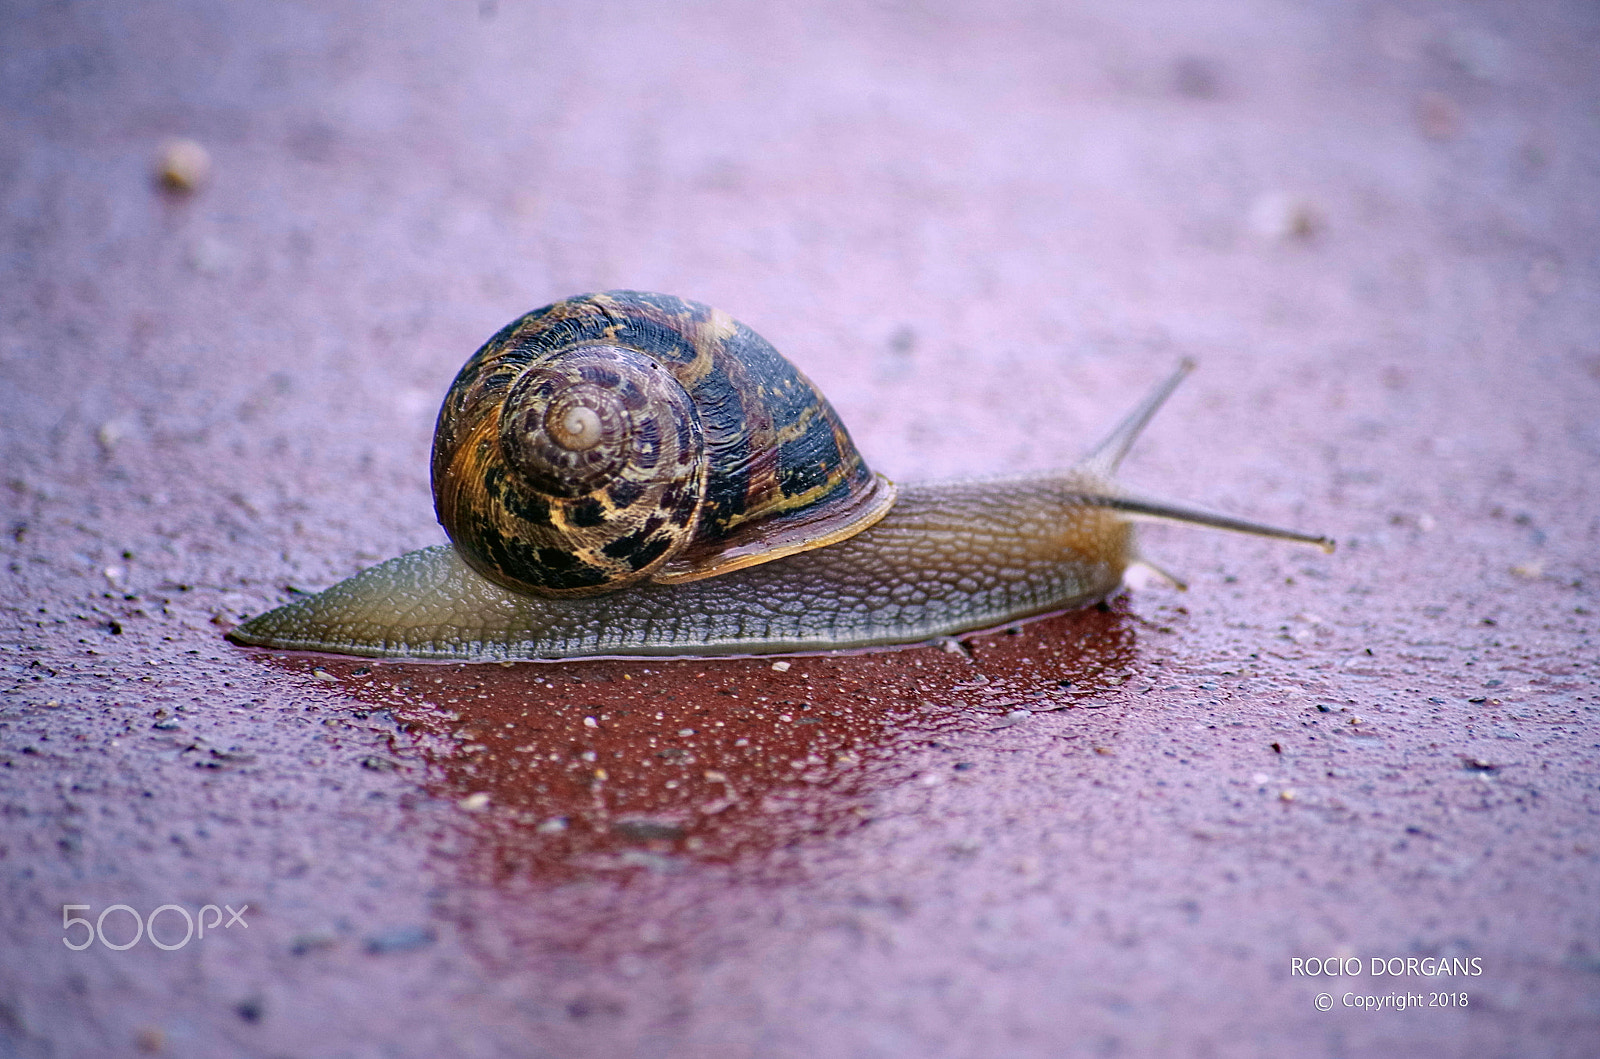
984,230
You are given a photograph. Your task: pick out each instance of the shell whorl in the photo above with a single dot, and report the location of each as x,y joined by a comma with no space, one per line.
618,436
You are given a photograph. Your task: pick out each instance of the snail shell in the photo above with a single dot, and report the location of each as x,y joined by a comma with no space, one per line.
557,473
620,436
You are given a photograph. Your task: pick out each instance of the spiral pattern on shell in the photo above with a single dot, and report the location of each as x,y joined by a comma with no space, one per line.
617,436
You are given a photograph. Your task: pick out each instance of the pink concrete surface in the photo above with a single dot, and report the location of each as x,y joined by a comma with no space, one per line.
984,229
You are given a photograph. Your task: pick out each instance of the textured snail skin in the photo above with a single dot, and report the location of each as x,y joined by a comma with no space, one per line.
948,558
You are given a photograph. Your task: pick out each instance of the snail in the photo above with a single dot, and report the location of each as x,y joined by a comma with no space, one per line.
628,473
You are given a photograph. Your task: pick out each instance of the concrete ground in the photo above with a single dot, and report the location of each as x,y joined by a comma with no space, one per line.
984,229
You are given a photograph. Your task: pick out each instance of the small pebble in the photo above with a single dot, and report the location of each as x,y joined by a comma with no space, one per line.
183,165
1280,217
780,667
474,802
111,433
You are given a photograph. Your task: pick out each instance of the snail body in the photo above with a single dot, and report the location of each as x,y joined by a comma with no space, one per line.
776,551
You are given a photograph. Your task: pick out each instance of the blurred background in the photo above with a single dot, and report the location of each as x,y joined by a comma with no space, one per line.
244,247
